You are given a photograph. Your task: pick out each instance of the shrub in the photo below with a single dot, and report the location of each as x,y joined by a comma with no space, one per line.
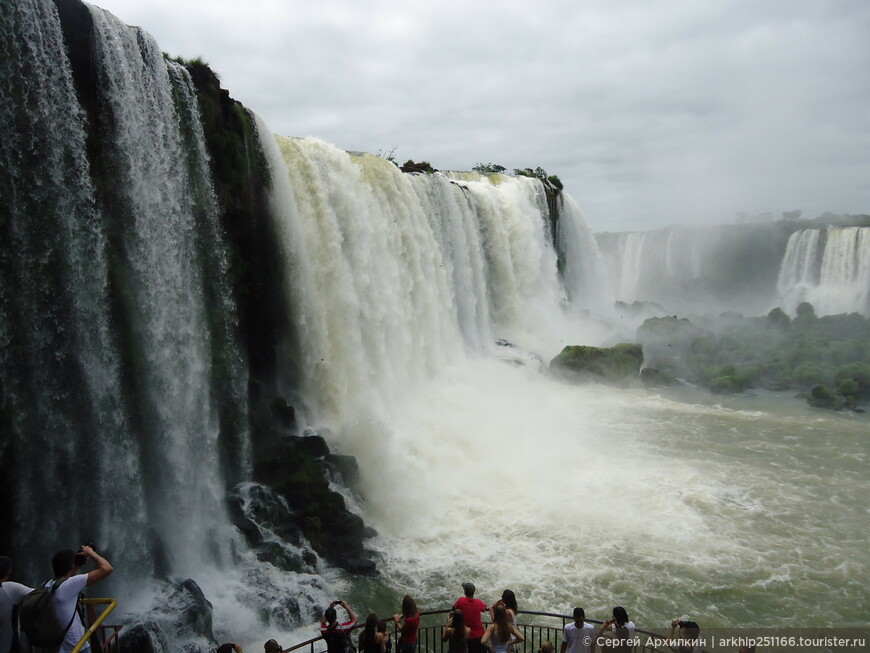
857,372
489,168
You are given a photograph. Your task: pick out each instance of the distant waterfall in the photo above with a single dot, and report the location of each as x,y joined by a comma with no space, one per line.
829,268
722,267
115,315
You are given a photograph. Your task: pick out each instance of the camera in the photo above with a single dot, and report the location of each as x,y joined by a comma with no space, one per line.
81,557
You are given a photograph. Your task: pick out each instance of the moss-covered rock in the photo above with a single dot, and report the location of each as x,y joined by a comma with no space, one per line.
618,364
822,397
653,377
778,319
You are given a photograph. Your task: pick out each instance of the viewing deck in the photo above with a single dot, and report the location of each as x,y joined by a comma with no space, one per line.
536,627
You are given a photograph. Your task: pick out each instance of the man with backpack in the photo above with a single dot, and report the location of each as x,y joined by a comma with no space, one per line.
66,586
10,596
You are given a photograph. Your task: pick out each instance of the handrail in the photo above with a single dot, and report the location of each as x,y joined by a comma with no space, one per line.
111,603
565,619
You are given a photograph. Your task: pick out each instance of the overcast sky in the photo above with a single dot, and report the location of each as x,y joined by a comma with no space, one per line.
651,112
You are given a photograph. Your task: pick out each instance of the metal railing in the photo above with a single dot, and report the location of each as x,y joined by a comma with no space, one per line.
104,635
429,635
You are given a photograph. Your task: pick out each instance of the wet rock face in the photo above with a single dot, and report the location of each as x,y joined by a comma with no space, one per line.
298,468
183,616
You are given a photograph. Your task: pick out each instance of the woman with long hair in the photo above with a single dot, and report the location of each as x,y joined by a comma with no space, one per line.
501,634
622,630
509,601
370,641
456,632
408,622
385,636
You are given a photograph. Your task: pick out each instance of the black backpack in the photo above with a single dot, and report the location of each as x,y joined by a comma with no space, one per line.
37,619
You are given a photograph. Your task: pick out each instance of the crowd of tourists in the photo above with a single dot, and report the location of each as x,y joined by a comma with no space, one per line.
464,630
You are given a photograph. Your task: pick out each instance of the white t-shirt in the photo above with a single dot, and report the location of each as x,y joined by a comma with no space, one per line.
10,596
65,599
629,626
579,640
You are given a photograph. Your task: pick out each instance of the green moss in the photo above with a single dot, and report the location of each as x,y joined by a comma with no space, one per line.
619,363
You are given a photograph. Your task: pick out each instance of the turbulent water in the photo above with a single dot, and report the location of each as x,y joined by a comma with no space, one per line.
424,311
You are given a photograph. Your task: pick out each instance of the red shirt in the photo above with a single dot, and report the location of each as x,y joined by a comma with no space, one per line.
409,630
471,609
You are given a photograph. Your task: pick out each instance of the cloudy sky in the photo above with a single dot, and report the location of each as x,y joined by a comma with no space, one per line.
651,111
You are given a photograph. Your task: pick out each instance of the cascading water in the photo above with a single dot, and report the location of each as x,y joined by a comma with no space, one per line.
151,101
829,268
394,276
61,373
583,272
697,269
115,313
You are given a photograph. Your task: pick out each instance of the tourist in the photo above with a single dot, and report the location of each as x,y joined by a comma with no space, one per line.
501,635
472,608
370,641
272,647
456,632
689,638
408,622
509,601
579,636
382,631
10,596
68,583
334,633
230,647
621,628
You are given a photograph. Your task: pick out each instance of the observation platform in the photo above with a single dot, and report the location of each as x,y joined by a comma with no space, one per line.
536,627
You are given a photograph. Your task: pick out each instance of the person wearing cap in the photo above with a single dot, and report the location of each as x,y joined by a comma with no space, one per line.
471,609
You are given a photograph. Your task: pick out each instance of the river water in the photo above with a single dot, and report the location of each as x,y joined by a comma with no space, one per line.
730,510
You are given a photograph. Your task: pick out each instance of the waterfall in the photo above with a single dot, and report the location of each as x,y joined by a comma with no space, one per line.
115,313
392,276
583,273
829,268
688,269
60,371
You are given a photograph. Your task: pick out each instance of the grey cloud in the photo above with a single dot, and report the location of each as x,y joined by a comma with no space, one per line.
650,112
